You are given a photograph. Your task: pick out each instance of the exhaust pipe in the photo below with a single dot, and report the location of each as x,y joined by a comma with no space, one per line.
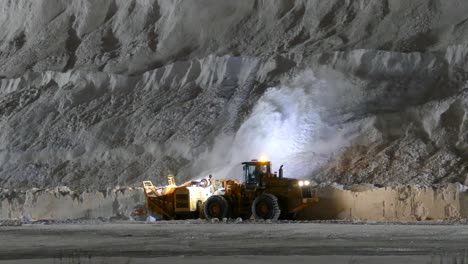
281,172
171,179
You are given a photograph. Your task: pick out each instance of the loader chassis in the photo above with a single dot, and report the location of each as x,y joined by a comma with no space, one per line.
262,195
175,202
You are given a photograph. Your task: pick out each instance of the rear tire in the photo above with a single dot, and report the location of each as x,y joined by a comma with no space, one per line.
216,207
265,207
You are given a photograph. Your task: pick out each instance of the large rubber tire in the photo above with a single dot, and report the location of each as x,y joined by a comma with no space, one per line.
216,207
265,207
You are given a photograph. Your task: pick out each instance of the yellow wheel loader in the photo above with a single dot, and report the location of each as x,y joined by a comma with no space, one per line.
176,202
262,194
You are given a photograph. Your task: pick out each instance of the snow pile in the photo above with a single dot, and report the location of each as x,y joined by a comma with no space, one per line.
287,127
61,204
95,130
358,117
133,36
96,94
357,202
398,203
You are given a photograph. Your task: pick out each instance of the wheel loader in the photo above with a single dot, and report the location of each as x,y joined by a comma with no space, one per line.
262,194
176,201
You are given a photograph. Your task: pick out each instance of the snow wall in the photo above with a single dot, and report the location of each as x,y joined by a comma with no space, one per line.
62,203
401,203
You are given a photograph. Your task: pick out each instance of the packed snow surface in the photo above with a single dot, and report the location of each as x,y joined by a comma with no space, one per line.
248,243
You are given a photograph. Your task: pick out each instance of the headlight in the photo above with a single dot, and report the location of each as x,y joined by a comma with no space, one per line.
306,183
301,183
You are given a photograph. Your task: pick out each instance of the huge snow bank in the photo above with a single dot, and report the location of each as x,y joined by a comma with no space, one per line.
103,93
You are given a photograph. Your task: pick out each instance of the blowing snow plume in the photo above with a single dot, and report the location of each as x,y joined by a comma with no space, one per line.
287,126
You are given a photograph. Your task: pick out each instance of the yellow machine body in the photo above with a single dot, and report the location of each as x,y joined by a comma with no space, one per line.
261,190
189,199
172,201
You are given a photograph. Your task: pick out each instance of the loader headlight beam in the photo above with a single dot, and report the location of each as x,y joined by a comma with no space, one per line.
304,183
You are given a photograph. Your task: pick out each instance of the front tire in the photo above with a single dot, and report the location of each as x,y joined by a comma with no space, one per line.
265,207
216,207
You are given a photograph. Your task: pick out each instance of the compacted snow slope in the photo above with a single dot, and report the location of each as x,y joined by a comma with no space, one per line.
102,93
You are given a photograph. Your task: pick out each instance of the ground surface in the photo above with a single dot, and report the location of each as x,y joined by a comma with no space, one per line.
197,242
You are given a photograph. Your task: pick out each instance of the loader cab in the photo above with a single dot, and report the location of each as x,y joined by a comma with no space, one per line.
254,171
